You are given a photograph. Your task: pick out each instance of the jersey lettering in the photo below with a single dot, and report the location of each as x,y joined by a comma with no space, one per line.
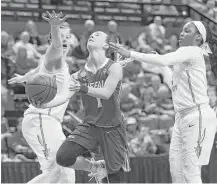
97,84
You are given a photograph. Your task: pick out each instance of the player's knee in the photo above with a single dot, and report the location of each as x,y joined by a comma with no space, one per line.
65,155
193,177
65,159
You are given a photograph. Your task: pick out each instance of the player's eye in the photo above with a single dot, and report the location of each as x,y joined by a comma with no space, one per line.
187,30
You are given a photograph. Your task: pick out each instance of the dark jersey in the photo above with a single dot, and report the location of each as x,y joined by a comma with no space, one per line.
100,112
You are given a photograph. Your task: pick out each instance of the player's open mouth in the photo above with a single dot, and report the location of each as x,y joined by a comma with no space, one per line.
64,46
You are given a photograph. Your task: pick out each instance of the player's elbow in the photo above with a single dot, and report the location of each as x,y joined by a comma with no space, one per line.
106,95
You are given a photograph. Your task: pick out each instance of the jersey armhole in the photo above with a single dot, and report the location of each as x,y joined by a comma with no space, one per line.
109,67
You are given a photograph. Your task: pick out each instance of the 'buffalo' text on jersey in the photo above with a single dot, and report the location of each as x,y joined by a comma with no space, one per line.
100,112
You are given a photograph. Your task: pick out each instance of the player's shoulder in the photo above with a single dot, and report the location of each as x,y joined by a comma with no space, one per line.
189,49
113,63
114,66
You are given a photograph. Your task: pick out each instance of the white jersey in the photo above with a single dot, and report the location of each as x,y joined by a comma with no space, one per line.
189,83
62,78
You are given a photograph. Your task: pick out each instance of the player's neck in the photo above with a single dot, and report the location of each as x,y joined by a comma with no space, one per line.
97,59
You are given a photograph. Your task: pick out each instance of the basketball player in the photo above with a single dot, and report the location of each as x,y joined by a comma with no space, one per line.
99,82
195,121
42,127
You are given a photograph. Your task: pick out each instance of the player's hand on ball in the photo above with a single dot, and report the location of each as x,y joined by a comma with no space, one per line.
54,19
74,85
37,104
18,79
120,49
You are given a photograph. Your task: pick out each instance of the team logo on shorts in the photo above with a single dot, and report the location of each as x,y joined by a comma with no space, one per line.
198,149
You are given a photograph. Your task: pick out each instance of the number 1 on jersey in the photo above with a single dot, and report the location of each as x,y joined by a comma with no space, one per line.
99,103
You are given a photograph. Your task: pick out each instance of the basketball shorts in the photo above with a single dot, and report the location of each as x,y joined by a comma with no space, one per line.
112,142
193,135
44,135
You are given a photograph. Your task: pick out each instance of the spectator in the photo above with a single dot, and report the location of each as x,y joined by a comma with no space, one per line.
23,62
113,33
5,134
158,31
24,41
210,10
34,38
143,144
132,128
6,43
4,99
144,37
19,145
212,96
26,55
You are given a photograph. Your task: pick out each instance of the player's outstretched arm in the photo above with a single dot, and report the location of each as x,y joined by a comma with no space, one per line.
19,79
59,100
115,74
179,56
62,97
54,52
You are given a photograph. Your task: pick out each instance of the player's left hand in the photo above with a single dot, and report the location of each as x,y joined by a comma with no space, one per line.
74,85
17,79
54,19
120,49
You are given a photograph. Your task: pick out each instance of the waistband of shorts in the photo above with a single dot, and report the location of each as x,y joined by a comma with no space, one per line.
32,113
192,109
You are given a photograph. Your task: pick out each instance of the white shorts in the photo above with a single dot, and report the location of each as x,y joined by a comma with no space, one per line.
44,135
193,135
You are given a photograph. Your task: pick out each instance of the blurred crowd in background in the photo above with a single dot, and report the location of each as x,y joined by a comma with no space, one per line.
145,99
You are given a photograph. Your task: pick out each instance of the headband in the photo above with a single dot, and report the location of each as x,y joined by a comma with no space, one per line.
202,30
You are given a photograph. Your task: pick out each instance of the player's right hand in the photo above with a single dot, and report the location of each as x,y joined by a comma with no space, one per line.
18,79
120,49
54,19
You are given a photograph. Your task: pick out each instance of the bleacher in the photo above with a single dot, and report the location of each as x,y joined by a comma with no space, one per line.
125,12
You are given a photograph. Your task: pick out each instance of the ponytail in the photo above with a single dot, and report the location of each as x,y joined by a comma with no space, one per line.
213,47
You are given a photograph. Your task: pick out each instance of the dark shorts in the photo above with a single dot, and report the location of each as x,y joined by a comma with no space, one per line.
112,142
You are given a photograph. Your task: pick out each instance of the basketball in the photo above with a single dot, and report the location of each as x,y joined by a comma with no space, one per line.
41,87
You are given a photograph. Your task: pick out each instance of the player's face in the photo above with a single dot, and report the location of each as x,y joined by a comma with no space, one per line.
188,35
97,40
65,37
